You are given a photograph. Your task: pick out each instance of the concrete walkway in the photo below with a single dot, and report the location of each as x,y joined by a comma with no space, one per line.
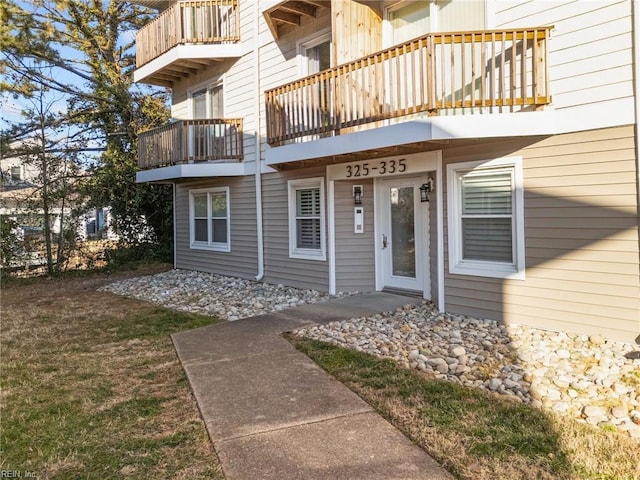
274,414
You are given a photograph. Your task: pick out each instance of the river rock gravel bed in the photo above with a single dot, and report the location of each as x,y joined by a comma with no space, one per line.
229,298
586,377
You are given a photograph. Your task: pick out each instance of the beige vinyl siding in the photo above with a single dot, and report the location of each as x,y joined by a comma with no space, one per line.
355,253
241,261
279,268
460,15
581,237
240,97
590,55
180,107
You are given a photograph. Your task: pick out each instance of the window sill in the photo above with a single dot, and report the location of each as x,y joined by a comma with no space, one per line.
308,255
224,248
488,269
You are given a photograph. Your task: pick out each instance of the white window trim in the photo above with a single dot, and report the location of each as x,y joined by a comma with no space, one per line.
310,42
387,30
208,86
306,253
214,246
484,268
434,22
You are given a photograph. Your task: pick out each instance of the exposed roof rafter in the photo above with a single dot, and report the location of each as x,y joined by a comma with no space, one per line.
281,17
286,17
300,8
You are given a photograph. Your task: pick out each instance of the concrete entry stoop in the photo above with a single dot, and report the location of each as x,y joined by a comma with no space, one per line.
272,413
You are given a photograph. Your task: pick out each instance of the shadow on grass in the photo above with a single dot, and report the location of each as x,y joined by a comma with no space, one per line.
474,434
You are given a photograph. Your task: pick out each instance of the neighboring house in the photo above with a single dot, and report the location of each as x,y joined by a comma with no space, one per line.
17,195
481,154
19,200
98,224
15,174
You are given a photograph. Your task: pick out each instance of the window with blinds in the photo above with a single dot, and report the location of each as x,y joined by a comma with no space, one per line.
210,219
486,218
306,219
219,214
200,218
487,227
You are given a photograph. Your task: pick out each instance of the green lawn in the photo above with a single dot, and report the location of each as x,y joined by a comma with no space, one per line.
92,387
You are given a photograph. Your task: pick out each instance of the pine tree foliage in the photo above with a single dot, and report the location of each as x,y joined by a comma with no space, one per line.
83,53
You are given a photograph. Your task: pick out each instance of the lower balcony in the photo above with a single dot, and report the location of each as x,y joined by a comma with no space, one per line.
438,74
207,147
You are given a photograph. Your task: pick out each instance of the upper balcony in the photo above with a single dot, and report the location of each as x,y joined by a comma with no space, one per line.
457,73
187,37
191,148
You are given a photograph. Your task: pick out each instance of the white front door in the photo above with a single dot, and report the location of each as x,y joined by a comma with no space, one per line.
403,235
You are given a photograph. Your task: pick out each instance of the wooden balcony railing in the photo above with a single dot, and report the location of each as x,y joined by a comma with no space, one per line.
475,71
188,22
191,141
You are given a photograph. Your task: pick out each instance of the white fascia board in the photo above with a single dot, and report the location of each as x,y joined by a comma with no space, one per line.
520,124
179,52
175,172
493,125
399,134
423,130
612,113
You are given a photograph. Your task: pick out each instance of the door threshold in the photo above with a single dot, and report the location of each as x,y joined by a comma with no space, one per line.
404,292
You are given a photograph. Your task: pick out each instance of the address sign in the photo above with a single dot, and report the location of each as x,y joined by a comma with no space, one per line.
382,167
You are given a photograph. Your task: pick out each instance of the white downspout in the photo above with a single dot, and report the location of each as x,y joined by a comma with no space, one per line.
256,113
635,29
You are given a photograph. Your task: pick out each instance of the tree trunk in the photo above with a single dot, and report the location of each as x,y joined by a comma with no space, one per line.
44,164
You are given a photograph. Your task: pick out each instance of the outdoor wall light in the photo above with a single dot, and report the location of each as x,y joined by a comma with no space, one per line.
357,194
425,190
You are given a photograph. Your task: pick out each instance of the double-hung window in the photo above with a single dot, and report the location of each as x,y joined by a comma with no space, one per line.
486,224
209,219
306,219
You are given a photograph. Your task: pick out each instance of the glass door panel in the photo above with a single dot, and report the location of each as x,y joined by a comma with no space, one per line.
403,238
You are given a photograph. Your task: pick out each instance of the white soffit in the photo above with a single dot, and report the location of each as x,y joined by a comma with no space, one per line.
198,170
423,130
186,52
